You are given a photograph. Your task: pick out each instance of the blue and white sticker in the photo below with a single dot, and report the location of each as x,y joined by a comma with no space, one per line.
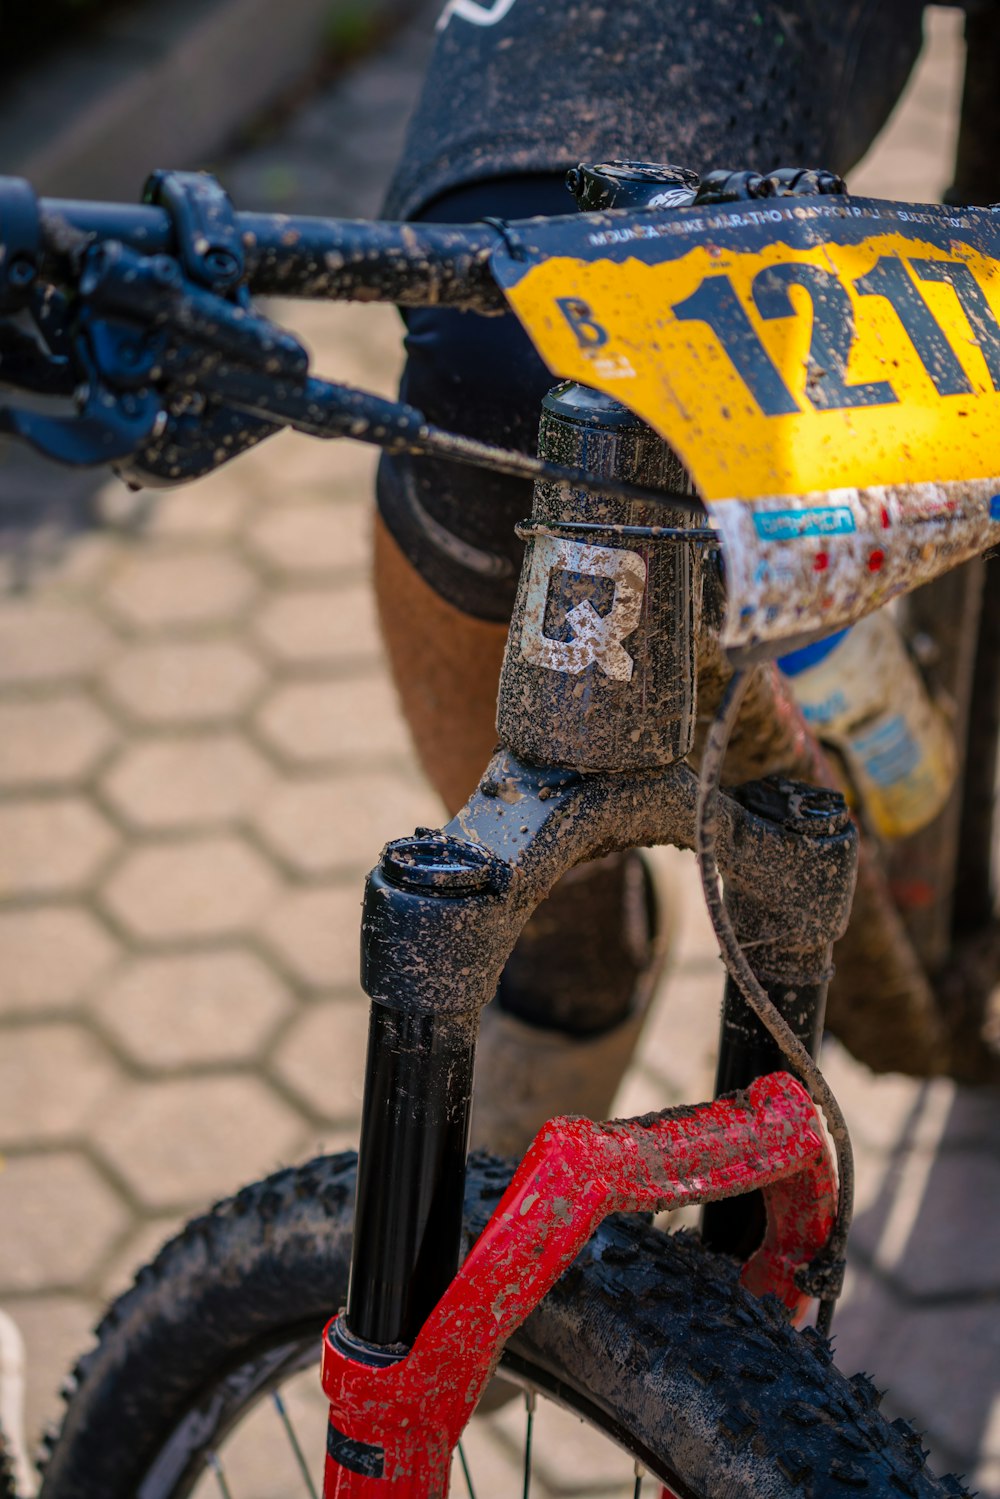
820,520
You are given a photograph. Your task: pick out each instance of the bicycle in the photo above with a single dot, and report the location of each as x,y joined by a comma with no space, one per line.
152,304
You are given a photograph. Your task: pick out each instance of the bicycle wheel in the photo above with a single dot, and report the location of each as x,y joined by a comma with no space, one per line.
647,1337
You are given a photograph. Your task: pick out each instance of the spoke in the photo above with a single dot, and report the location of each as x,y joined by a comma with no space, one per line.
530,1401
293,1441
220,1477
640,1473
465,1469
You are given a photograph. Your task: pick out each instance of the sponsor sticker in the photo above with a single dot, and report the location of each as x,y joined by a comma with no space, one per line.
788,525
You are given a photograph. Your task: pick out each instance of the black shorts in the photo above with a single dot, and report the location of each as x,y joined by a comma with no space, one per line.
519,90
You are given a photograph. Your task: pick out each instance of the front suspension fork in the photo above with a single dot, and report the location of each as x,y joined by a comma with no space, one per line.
599,674
442,912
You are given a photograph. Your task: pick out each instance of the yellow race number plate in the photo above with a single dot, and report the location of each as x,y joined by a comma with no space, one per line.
827,369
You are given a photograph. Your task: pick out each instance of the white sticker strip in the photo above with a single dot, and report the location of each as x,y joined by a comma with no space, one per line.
797,565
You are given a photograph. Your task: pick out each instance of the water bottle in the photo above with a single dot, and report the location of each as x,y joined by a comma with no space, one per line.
860,692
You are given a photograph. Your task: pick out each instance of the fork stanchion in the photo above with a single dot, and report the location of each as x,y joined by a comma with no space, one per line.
409,1205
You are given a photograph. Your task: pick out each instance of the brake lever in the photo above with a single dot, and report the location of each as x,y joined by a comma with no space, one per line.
25,365
151,293
107,424
131,339
105,429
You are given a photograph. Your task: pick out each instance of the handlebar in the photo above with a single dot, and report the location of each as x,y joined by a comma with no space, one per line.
145,315
412,265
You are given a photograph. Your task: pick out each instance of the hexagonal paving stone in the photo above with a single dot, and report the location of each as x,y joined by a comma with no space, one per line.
51,1079
202,887
919,1232
258,1466
52,741
682,904
195,588
50,957
567,1456
939,1363
872,1181
984,1478
184,683
640,1092
679,1043
287,462
312,626
315,722
341,822
494,1468
323,537
193,1009
372,337
173,783
323,1058
880,1110
67,562
212,507
65,1218
316,934
49,642
50,846
352,467
190,1140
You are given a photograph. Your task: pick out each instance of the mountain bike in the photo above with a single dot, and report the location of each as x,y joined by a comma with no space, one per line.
719,477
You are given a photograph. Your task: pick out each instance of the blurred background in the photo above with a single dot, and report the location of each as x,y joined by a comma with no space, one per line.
200,753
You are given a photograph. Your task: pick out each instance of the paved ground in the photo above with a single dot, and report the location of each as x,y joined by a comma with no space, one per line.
199,758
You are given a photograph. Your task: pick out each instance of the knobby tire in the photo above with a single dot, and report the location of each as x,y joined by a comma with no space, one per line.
647,1336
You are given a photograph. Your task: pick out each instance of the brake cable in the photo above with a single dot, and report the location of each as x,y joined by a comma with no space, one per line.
824,1277
321,408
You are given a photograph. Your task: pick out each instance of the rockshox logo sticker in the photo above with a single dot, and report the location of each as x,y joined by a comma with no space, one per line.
594,638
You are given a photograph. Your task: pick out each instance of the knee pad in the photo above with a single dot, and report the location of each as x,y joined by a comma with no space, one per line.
481,377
